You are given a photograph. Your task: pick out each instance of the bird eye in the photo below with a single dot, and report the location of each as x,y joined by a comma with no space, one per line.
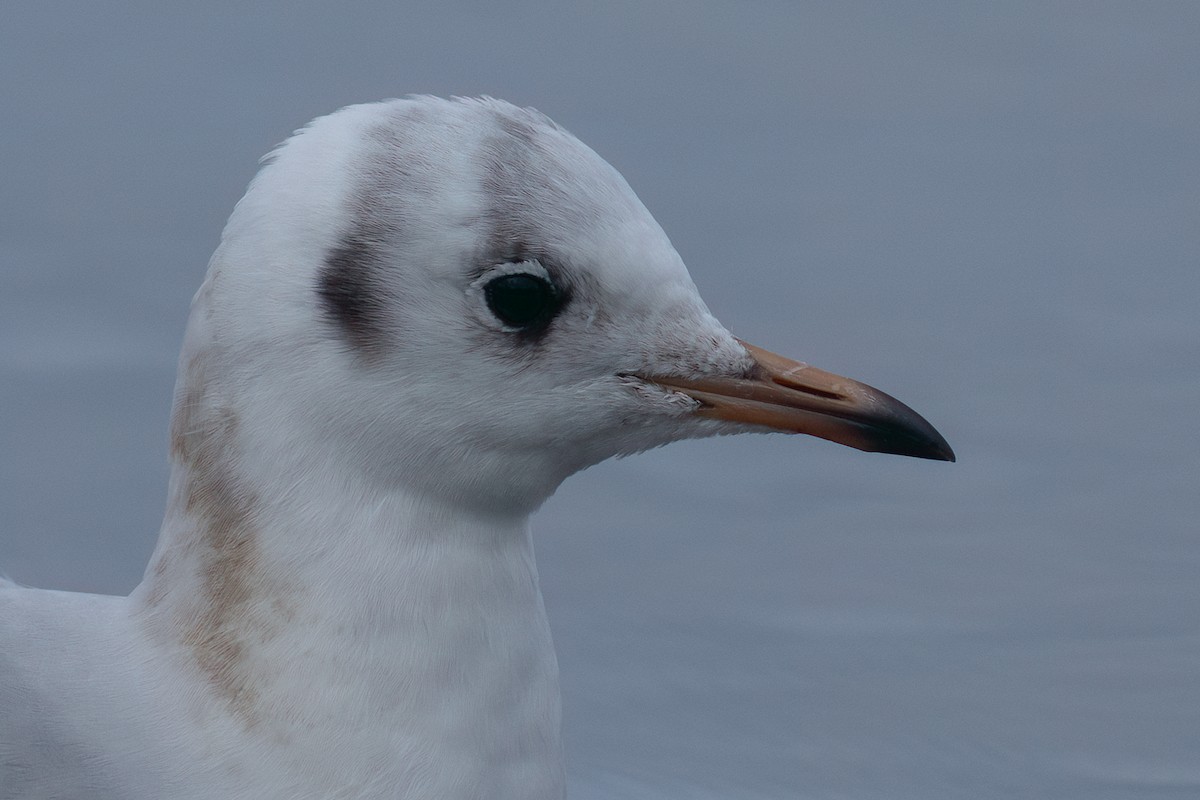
521,300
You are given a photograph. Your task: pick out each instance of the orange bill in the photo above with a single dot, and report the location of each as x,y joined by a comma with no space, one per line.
792,396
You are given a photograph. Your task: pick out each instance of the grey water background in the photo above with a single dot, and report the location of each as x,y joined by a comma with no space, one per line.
990,210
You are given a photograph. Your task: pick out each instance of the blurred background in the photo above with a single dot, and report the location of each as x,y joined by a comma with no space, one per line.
989,210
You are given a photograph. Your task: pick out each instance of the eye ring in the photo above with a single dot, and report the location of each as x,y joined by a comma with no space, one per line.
522,300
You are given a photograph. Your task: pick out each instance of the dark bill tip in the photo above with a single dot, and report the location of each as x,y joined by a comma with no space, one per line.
890,426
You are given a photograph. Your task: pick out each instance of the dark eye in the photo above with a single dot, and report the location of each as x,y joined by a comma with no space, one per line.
521,300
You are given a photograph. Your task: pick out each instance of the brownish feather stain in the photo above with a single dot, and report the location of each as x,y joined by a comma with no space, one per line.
217,632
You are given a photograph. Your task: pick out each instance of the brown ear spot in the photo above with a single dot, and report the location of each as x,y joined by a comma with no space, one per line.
350,293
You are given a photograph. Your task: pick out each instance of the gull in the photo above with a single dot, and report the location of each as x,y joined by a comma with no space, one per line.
422,317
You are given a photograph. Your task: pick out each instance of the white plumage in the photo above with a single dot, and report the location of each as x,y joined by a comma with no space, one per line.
422,317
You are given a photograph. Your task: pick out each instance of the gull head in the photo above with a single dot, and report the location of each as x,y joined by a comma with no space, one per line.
460,299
